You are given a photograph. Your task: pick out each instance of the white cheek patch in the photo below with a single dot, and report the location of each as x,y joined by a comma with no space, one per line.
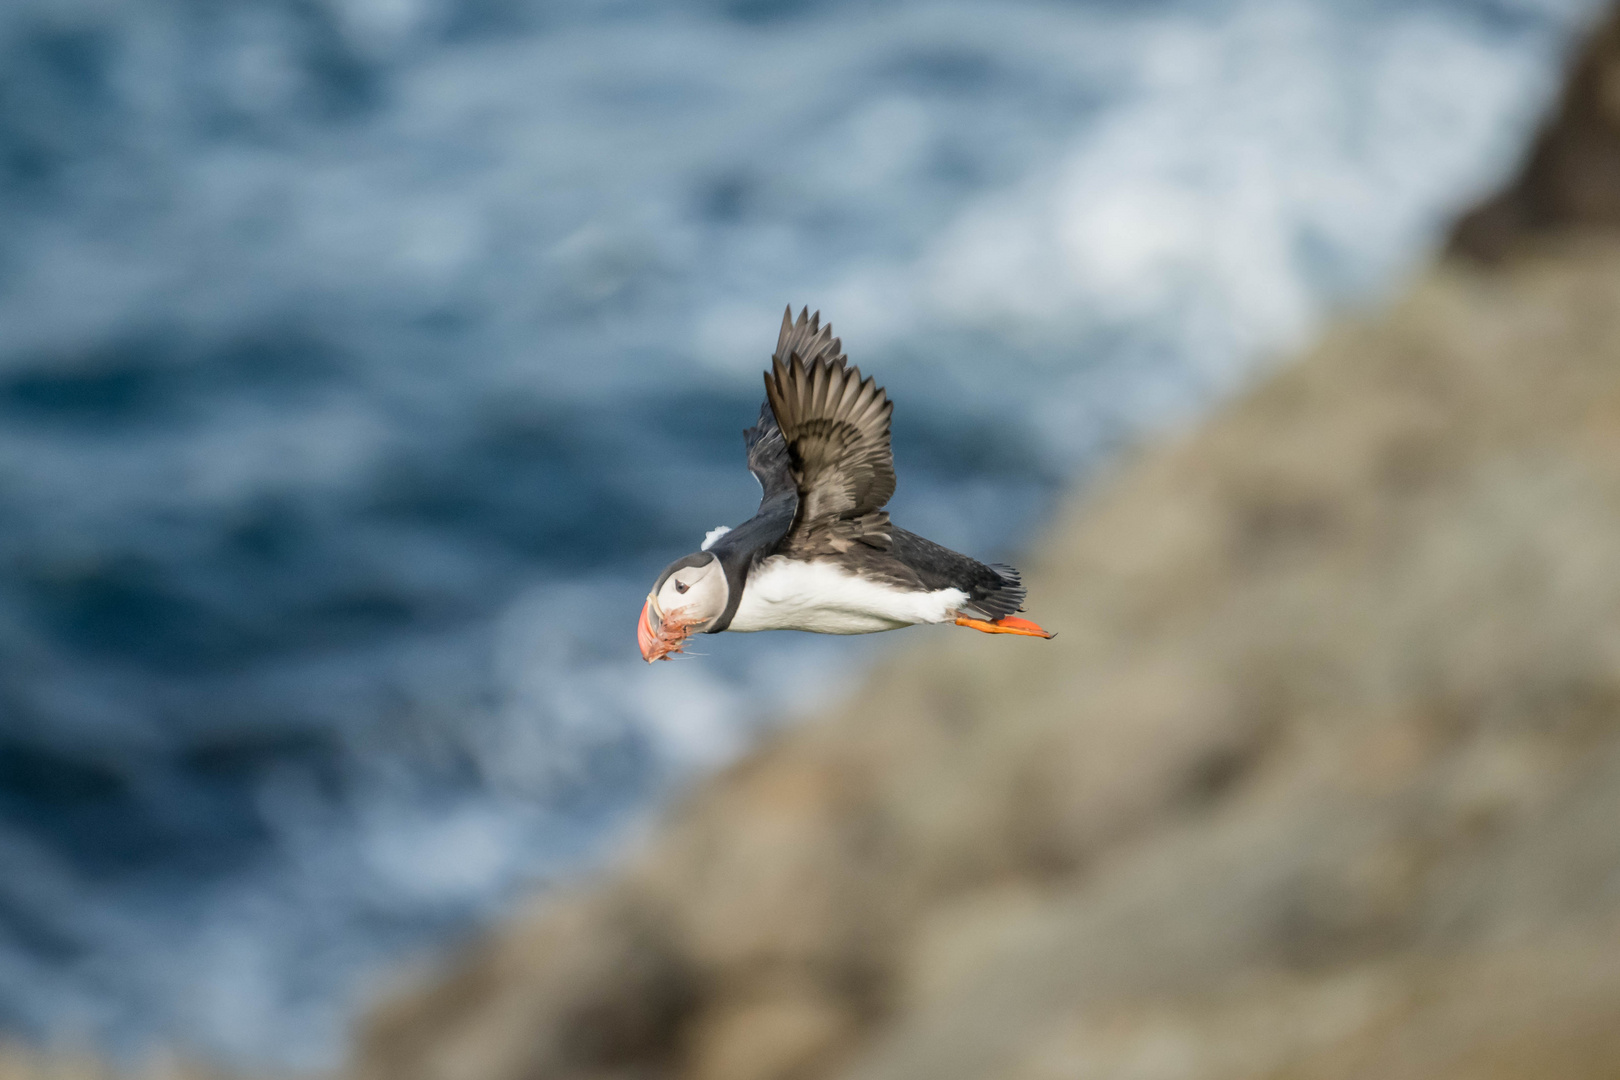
712,535
702,602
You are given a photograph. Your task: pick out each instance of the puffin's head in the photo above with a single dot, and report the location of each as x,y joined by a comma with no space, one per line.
689,596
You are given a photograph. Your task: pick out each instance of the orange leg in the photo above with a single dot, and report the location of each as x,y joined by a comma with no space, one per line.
1007,624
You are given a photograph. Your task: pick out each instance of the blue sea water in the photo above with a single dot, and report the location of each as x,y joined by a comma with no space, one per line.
362,360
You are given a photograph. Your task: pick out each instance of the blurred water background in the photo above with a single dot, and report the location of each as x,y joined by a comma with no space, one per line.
361,360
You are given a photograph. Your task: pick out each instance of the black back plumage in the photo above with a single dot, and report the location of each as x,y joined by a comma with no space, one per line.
993,589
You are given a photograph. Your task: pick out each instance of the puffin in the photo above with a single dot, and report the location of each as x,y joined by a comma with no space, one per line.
821,553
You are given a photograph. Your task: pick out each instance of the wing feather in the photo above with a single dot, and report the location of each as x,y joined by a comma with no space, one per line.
767,453
770,459
768,456
809,338
835,425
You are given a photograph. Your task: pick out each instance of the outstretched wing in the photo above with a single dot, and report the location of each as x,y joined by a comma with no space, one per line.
771,461
835,426
767,451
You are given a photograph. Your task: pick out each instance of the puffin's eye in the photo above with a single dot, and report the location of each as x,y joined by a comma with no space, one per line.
681,586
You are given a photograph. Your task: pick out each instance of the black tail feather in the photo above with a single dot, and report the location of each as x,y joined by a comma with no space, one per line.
1000,599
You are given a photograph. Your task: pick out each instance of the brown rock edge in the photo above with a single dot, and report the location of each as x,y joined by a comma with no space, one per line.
1571,178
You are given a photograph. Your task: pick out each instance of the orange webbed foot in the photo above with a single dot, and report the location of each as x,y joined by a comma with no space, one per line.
1007,624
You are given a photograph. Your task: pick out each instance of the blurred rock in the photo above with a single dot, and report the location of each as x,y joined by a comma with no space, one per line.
1321,780
1571,178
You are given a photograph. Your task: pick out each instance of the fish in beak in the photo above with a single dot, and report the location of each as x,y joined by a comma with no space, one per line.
658,635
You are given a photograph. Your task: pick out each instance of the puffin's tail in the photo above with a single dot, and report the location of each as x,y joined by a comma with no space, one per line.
998,599
998,605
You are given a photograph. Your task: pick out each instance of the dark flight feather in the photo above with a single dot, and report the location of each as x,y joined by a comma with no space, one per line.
767,451
836,427
809,338
768,456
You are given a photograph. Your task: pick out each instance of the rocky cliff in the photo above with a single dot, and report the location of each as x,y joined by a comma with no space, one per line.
1320,780
1570,179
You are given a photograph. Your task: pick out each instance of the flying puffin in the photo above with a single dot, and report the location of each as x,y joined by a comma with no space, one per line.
821,554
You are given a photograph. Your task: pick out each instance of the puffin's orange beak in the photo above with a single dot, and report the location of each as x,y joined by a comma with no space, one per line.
658,636
647,632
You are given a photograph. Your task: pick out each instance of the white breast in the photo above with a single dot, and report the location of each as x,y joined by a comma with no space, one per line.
784,594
